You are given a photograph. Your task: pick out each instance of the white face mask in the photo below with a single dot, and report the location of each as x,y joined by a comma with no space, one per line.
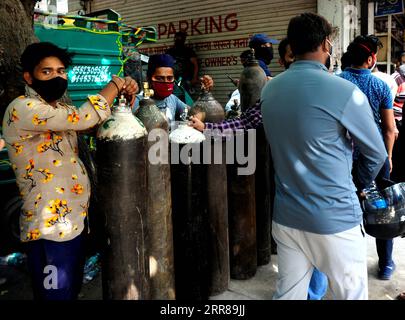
375,63
328,62
331,48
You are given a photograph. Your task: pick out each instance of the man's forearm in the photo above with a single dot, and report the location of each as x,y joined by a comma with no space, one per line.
389,140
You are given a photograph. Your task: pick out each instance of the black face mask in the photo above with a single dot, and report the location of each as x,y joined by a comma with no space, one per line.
328,63
265,54
50,90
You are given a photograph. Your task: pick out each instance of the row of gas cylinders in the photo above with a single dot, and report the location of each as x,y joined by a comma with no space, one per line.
177,231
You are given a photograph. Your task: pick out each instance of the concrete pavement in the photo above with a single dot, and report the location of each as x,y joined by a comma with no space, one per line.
260,287
263,284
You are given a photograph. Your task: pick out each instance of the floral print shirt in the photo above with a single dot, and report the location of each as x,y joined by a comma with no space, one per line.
42,147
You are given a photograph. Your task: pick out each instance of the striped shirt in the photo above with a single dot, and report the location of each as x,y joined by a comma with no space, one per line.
250,119
400,96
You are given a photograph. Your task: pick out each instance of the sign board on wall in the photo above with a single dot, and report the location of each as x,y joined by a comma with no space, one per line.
216,24
218,30
386,7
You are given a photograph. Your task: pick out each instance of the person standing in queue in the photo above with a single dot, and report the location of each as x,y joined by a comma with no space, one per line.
41,137
161,78
317,220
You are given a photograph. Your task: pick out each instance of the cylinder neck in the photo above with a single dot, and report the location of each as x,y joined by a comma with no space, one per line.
147,92
251,60
122,106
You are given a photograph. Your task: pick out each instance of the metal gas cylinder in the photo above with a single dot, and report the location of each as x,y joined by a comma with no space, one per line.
217,190
122,190
242,222
149,113
265,190
190,219
160,237
242,189
211,108
251,82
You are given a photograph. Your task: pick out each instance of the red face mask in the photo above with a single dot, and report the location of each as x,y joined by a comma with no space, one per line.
162,89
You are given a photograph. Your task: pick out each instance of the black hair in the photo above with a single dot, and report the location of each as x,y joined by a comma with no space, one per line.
400,54
362,47
306,32
36,52
345,61
282,48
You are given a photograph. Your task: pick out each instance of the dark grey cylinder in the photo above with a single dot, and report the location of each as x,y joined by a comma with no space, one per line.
190,230
159,206
217,197
122,190
264,199
242,222
218,222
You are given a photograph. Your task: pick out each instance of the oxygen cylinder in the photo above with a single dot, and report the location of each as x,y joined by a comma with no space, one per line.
122,190
264,179
242,189
159,202
211,108
190,218
251,82
217,197
242,223
149,113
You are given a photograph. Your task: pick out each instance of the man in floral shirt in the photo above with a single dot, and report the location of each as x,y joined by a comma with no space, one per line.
41,138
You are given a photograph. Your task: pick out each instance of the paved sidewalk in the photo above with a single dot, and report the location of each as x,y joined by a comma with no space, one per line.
260,287
263,284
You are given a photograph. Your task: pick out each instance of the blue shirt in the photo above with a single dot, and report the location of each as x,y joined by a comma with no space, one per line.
307,114
265,68
172,106
377,91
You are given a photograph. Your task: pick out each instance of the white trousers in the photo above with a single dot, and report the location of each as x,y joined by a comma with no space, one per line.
341,256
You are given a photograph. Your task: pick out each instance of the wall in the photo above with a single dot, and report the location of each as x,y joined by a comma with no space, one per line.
218,30
344,16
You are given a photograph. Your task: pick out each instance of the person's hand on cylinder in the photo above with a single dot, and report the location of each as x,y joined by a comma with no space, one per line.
196,123
207,83
2,144
126,86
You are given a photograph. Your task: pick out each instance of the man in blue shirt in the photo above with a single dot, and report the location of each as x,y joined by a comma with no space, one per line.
263,46
362,57
317,216
160,75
